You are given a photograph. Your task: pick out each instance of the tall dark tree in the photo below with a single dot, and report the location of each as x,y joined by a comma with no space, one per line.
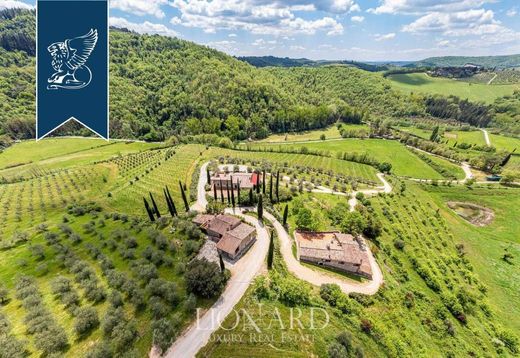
168,203
148,210
278,186
238,192
258,178
184,199
222,266
263,181
250,196
171,201
270,253
260,208
285,214
215,196
271,187
221,192
155,208
227,194
434,137
232,194
208,176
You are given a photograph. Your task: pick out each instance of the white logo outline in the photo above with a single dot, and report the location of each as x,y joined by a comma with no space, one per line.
68,59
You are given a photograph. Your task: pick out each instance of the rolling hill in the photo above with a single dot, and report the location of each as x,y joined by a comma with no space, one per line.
485,61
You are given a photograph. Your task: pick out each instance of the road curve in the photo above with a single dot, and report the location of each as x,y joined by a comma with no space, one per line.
486,137
202,202
316,277
242,274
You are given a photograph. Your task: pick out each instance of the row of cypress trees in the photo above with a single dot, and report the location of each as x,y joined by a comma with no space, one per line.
153,210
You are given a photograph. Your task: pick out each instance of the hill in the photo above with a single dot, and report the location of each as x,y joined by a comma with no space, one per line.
485,61
272,61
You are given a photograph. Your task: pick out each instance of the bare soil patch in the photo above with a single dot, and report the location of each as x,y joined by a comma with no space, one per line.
473,213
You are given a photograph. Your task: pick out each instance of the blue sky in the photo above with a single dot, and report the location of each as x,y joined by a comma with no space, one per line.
366,30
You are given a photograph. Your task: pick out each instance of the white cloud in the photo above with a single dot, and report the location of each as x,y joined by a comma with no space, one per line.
512,12
297,48
424,6
357,18
140,7
262,17
232,35
11,4
143,28
384,37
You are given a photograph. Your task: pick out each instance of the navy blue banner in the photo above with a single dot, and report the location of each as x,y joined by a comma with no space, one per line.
72,65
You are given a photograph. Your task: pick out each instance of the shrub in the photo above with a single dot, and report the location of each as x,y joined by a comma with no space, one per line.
100,350
86,320
164,332
157,307
293,292
4,294
204,278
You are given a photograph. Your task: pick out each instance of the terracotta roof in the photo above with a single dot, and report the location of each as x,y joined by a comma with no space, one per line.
229,244
222,224
232,239
202,219
245,179
334,246
242,231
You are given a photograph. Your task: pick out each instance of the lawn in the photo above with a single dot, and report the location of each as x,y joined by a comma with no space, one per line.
403,162
421,82
423,133
470,137
331,132
503,142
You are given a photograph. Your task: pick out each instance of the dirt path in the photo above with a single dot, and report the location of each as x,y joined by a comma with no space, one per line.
491,80
318,278
486,137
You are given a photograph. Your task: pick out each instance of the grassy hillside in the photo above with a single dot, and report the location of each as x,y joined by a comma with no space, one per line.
479,92
486,61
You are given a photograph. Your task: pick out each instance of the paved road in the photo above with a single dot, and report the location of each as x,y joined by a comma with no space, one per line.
316,277
242,274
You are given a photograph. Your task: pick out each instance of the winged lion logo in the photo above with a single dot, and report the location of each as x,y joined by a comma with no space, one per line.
69,61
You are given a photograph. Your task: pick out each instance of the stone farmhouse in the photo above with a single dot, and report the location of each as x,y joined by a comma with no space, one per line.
335,250
233,237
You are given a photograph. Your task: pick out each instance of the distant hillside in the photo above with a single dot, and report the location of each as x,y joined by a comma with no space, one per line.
486,61
272,61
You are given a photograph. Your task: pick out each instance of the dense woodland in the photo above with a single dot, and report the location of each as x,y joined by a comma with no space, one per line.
162,86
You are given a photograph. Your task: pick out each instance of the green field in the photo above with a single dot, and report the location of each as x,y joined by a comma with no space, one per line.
403,162
421,82
486,246
330,133
469,137
503,142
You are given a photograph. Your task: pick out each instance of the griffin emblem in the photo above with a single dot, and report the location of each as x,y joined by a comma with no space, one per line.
68,60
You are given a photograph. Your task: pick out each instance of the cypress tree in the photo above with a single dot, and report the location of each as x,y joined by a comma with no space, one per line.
222,266
186,204
148,210
260,208
278,186
215,196
258,183
271,188
168,203
171,201
227,194
155,208
250,196
285,214
238,192
208,175
232,194
270,253
263,182
221,192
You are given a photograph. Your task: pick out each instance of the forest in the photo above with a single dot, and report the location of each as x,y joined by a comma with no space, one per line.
163,86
